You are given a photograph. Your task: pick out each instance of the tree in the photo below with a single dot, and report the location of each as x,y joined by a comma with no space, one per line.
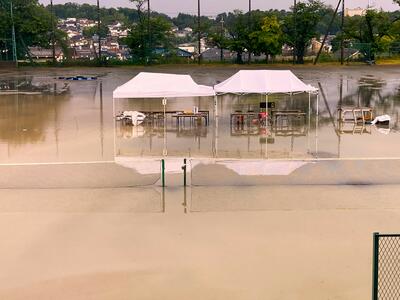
33,24
185,20
137,39
269,39
300,26
237,28
374,32
217,38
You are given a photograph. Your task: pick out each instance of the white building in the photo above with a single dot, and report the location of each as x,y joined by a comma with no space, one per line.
351,12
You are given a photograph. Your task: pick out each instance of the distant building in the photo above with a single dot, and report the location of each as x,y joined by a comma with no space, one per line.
45,54
351,12
182,33
190,48
214,54
316,45
174,52
118,30
183,53
87,53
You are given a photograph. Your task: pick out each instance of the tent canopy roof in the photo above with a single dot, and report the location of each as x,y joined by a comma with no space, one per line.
263,82
158,85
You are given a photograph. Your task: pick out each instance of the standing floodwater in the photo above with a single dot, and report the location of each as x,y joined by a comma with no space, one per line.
46,119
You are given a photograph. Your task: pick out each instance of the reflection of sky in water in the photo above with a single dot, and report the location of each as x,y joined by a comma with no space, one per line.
78,125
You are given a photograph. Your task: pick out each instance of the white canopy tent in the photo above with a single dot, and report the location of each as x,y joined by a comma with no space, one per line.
267,82
161,85
263,82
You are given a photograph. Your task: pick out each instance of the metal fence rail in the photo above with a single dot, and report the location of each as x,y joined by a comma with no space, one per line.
386,267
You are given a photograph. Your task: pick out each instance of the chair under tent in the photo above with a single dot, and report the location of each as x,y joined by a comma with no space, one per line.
164,86
266,83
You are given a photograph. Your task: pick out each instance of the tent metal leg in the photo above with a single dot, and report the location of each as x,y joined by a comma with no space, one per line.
114,129
266,126
309,123
165,151
316,128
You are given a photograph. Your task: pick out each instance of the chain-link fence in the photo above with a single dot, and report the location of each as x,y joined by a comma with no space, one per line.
386,267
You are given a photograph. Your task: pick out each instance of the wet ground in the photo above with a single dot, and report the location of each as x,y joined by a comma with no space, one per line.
250,229
247,243
38,126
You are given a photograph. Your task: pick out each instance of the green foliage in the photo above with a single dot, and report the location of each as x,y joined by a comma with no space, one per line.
326,13
142,48
185,20
269,39
33,24
260,32
108,15
237,30
376,28
301,26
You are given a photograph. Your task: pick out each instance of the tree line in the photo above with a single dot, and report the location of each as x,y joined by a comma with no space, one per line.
258,32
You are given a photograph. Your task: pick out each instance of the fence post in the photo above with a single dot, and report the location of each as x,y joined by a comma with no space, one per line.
163,172
184,168
375,266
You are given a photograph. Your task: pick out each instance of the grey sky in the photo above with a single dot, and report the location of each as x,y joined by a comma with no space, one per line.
213,7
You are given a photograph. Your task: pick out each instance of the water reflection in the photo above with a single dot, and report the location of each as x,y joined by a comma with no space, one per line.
39,124
25,118
46,119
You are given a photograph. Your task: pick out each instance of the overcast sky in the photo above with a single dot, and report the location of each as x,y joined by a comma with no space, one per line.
213,7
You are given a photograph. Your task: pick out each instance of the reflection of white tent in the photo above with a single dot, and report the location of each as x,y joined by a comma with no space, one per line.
159,85
266,82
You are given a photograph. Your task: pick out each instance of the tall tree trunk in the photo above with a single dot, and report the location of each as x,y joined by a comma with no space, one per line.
239,59
300,54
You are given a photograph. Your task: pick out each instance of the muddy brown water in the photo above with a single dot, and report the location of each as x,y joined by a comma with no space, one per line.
78,125
79,231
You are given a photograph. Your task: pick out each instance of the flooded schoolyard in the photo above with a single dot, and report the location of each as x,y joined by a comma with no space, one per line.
284,211
41,123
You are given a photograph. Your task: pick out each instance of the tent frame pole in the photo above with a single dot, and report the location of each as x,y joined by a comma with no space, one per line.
114,128
164,103
316,128
216,105
266,125
309,122
216,126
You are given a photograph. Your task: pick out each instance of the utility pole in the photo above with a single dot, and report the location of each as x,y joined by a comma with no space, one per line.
98,30
328,31
53,32
249,28
198,29
149,30
14,43
295,31
222,38
342,39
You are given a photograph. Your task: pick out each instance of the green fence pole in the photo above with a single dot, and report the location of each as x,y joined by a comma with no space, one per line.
184,168
375,266
163,172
